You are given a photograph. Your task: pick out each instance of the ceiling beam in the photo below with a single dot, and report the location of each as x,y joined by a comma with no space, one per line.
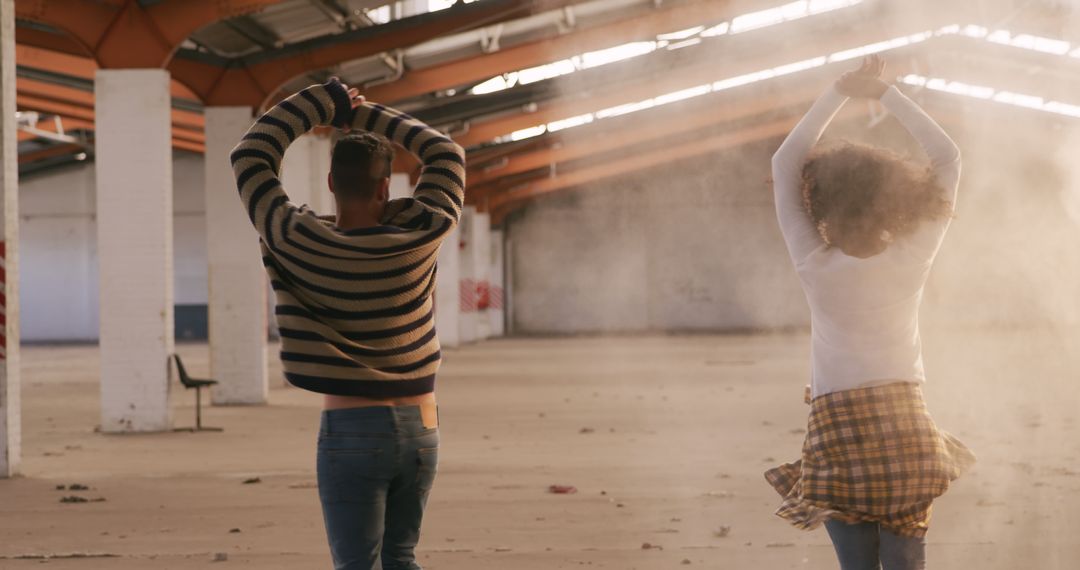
129,34
551,49
255,80
50,152
500,204
61,94
646,128
76,66
510,199
587,99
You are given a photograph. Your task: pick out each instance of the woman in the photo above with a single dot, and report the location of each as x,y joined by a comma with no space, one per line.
863,226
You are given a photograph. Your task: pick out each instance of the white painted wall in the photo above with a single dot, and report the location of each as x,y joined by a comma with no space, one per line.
59,276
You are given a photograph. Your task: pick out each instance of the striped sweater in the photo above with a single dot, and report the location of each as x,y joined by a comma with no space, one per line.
354,308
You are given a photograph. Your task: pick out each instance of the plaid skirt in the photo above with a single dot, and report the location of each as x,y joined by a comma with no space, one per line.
870,455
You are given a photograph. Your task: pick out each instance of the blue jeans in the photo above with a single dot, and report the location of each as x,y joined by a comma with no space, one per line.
375,469
867,546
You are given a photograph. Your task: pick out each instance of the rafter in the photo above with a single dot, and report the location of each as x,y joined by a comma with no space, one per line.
474,69
256,79
80,67
128,34
509,199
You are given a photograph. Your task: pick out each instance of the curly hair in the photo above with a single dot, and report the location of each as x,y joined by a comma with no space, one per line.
862,197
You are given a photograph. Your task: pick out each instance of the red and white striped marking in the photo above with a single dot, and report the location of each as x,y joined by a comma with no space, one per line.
469,300
496,298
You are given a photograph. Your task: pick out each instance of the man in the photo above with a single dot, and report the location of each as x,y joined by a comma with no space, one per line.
354,307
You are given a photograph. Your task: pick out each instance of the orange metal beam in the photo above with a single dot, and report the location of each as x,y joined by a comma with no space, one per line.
67,95
500,203
575,147
55,42
76,66
256,84
510,199
463,71
677,79
79,117
58,150
125,34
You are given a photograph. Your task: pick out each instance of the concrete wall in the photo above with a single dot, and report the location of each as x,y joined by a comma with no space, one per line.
695,246
59,249
643,253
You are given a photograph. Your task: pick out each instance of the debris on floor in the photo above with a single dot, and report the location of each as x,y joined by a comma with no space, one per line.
562,489
252,481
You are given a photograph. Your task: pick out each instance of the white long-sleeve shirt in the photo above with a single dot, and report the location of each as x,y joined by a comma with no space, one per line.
864,311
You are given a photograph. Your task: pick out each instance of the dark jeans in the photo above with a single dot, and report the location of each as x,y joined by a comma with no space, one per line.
867,546
375,468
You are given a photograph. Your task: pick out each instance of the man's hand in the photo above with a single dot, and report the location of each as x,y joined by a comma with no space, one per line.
355,99
864,82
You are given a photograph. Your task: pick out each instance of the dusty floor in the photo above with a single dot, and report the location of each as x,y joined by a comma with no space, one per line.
681,429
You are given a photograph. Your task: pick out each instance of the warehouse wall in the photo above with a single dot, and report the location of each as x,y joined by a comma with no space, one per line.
688,247
58,241
696,246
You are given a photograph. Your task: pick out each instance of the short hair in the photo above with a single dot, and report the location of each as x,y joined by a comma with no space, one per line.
856,193
358,163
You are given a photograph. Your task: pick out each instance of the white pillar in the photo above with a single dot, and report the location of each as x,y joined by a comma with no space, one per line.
237,305
400,187
10,402
467,276
304,171
447,291
497,293
134,218
482,273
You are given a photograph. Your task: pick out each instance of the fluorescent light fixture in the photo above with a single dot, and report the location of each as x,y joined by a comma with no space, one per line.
542,72
1030,42
624,109
528,133
742,80
618,53
800,66
682,94
1020,100
717,30
879,47
497,83
770,17
436,5
820,6
1060,108
989,93
571,122
681,34
974,31
684,43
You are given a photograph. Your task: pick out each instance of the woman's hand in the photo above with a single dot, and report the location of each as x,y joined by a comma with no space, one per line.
864,82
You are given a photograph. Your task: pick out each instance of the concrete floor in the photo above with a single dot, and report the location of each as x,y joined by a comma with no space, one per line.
679,429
